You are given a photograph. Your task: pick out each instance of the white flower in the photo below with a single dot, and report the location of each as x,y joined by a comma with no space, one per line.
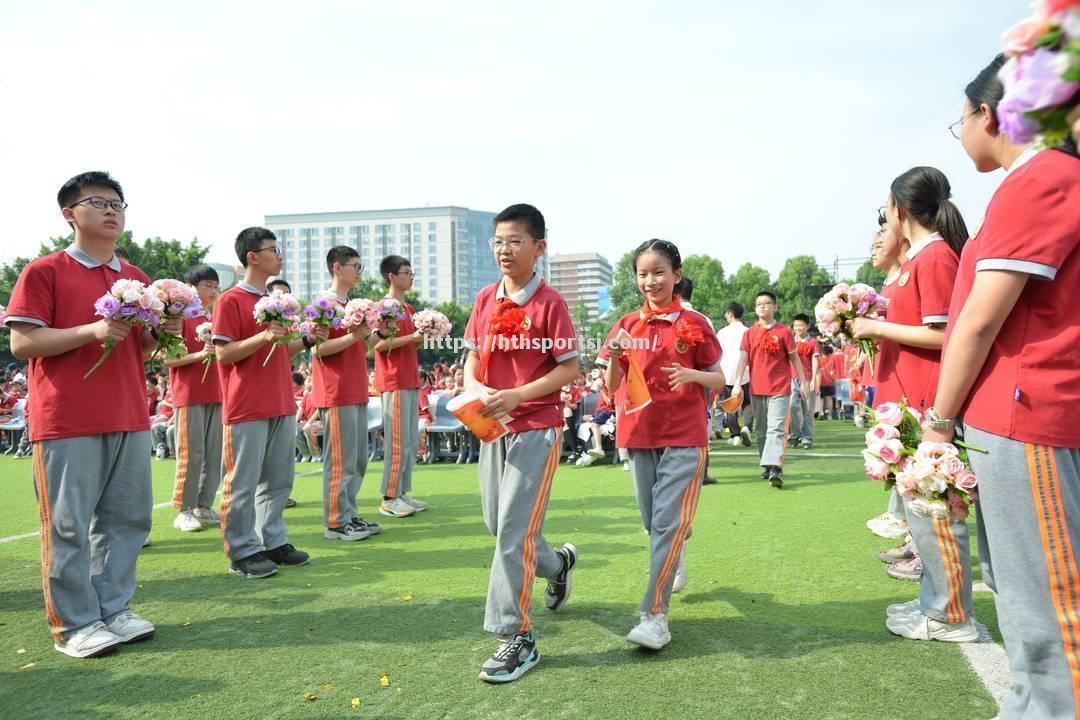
1070,23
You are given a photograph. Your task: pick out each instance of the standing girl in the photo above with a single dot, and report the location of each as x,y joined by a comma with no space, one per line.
667,439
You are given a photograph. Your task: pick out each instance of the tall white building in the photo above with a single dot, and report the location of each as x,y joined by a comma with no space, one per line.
582,278
447,247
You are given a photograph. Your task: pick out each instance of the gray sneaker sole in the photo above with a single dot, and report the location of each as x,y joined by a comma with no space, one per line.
511,677
252,576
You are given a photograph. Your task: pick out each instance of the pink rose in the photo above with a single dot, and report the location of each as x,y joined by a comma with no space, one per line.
825,315
951,467
1020,38
1050,8
935,453
881,431
958,507
842,307
889,414
876,468
873,446
905,465
891,451
965,480
906,484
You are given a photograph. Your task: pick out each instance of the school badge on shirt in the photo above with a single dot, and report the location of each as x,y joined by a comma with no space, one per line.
904,279
526,323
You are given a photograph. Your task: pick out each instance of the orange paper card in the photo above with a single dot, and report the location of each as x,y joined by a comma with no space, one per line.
467,408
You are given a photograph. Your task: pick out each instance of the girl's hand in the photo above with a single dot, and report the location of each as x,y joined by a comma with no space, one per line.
679,375
864,328
320,333
173,326
501,403
941,436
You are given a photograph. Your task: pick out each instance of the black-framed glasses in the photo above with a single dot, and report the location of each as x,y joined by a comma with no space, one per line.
101,203
275,248
957,127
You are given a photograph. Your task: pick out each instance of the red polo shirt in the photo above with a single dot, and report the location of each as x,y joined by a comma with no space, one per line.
770,358
549,320
921,297
341,379
806,350
188,387
399,369
251,390
1029,387
674,418
59,291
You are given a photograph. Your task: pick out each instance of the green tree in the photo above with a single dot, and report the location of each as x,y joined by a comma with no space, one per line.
745,284
870,275
369,287
711,289
799,286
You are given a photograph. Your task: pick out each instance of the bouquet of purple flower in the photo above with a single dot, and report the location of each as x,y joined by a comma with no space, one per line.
179,300
388,310
278,307
204,334
1042,76
324,309
128,301
847,302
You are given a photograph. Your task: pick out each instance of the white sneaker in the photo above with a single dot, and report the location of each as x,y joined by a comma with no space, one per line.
207,516
90,641
907,608
919,627
396,508
187,522
598,454
735,440
680,573
626,465
129,627
880,519
415,504
348,533
587,460
891,530
651,632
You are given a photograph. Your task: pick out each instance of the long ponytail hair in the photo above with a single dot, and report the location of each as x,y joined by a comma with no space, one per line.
924,193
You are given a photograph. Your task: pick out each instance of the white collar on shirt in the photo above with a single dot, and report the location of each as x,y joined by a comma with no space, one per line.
922,244
670,317
523,295
86,261
890,280
248,287
340,298
1023,159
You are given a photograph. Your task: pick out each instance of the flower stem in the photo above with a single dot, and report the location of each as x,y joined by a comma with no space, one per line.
107,346
207,362
961,443
272,349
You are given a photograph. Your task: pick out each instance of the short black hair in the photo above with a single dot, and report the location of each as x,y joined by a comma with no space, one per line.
339,254
735,309
768,293
801,316
686,291
200,273
250,240
70,191
279,281
529,216
297,378
392,264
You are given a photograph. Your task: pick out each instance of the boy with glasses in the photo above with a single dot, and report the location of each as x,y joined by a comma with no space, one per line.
339,381
397,377
91,435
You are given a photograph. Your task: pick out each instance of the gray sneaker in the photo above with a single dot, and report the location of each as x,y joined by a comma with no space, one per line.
129,627
91,641
897,554
910,570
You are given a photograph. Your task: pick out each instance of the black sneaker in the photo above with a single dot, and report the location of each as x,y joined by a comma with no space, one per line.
290,503
776,477
253,566
559,587
372,528
288,555
708,480
516,655
765,472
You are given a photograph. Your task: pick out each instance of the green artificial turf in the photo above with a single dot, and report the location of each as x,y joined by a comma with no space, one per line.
783,616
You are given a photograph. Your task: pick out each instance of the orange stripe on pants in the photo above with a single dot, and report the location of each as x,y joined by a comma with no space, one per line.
1064,577
226,493
337,465
181,457
395,442
536,520
688,508
56,623
950,556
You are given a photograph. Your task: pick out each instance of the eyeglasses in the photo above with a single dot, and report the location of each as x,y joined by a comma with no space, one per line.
274,248
958,127
406,273
512,243
101,203
358,267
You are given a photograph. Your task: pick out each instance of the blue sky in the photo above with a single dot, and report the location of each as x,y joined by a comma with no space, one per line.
748,131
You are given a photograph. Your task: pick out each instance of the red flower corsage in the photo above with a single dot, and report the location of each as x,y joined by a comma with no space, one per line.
509,320
804,348
688,332
771,345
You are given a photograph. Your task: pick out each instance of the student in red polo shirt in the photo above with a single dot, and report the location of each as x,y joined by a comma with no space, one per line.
339,379
768,350
668,438
1011,369
517,469
932,233
802,409
258,413
91,467
196,391
397,377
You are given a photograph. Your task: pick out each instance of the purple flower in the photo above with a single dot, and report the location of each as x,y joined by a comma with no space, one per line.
323,303
1012,121
311,311
864,306
106,306
1032,82
126,311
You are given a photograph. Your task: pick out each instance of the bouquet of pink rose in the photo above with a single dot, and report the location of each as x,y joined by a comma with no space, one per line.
358,312
389,310
936,477
281,307
1042,75
128,301
432,323
179,300
324,309
205,335
847,302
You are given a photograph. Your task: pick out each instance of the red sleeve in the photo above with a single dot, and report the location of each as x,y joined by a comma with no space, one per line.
936,285
788,340
227,322
33,296
816,347
708,352
474,339
604,354
560,329
744,346
1030,225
